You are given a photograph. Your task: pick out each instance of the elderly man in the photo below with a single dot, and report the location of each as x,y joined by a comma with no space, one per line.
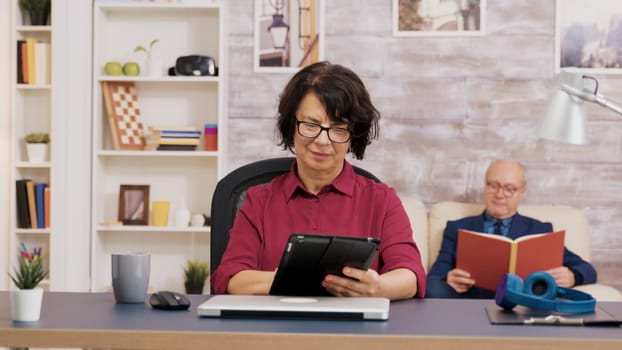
505,189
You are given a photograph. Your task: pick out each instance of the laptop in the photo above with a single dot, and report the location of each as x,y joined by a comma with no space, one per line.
273,306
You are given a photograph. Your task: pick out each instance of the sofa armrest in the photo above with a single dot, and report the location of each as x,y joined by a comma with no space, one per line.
601,292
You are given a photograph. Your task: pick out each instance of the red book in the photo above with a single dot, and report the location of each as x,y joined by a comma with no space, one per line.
488,257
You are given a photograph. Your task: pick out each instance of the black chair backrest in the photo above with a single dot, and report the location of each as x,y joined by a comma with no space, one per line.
230,194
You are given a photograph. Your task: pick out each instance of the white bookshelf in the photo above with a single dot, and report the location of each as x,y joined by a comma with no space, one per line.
187,177
32,110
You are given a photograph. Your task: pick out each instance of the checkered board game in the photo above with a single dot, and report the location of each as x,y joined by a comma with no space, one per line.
124,115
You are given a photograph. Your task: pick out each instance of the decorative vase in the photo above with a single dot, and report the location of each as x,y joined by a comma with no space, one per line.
26,304
37,152
182,216
155,67
38,17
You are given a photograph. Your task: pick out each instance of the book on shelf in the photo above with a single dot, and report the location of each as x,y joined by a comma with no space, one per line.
46,206
176,147
21,196
32,205
487,257
20,62
42,62
30,59
24,66
39,198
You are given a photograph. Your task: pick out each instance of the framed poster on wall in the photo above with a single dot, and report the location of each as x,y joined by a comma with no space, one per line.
588,35
289,34
438,17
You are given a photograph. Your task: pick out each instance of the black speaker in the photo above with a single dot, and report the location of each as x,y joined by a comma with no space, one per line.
540,292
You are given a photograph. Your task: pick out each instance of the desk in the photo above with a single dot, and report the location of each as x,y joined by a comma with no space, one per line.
93,320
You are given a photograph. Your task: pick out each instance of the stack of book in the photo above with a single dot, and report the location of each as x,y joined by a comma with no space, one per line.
173,139
33,62
33,204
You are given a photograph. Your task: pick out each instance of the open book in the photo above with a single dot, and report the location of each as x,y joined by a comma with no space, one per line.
487,257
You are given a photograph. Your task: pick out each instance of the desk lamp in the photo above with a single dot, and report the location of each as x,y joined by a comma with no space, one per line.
565,119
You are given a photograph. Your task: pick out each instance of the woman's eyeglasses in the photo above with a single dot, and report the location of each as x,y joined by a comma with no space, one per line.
313,130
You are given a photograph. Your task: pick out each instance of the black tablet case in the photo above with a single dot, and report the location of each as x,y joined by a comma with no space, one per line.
308,258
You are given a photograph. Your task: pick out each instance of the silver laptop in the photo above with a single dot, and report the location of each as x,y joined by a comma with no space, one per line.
273,306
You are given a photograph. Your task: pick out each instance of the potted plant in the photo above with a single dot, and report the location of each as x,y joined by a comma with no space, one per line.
37,146
39,10
154,65
196,273
27,298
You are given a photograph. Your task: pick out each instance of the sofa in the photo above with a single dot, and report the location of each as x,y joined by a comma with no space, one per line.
428,227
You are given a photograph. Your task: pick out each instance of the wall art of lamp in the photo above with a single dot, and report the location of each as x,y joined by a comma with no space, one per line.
565,119
278,29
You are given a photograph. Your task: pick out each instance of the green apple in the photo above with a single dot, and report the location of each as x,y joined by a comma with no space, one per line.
131,68
113,68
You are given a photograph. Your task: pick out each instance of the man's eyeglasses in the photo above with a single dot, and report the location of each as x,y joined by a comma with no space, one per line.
313,130
507,190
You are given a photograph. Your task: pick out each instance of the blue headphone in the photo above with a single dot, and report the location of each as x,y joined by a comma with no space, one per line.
539,292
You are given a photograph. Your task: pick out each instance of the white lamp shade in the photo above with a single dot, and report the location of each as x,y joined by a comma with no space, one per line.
565,120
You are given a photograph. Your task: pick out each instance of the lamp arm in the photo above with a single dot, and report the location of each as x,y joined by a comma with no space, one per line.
590,97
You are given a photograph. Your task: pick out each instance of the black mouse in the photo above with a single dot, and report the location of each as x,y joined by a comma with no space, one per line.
167,300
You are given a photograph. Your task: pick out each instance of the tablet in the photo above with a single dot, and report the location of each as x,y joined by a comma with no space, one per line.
308,258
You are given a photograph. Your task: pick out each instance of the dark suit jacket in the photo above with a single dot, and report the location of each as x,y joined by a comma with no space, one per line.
520,226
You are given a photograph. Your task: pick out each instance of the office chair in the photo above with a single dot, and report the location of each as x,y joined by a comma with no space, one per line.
230,194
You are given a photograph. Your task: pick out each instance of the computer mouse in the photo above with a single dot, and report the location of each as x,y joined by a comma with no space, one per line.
167,300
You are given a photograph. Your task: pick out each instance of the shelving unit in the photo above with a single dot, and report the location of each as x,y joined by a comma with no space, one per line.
31,111
185,178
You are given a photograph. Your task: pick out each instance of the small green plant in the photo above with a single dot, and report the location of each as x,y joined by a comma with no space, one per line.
37,137
196,273
34,4
147,51
30,272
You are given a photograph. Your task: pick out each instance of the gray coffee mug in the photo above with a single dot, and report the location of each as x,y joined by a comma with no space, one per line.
130,277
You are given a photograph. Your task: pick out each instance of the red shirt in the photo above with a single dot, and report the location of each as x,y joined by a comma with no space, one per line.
352,205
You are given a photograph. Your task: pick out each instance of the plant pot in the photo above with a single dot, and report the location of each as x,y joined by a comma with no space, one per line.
194,289
38,17
37,152
26,304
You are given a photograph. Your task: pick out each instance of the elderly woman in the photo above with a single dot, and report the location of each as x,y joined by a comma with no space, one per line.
324,113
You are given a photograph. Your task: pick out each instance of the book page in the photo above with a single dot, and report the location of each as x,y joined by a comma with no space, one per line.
540,253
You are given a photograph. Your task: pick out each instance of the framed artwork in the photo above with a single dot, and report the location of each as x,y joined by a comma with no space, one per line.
439,17
588,35
288,34
134,204
123,115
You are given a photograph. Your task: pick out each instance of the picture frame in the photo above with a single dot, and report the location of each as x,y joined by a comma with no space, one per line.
134,204
288,35
438,18
576,20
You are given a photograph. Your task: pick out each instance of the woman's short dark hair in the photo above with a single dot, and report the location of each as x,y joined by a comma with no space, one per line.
344,97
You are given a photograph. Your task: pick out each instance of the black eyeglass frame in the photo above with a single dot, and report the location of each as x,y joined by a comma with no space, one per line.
322,128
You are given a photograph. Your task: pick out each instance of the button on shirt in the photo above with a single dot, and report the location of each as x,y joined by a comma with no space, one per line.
352,205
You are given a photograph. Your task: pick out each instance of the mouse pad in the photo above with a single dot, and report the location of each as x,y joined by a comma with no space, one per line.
308,258
521,315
